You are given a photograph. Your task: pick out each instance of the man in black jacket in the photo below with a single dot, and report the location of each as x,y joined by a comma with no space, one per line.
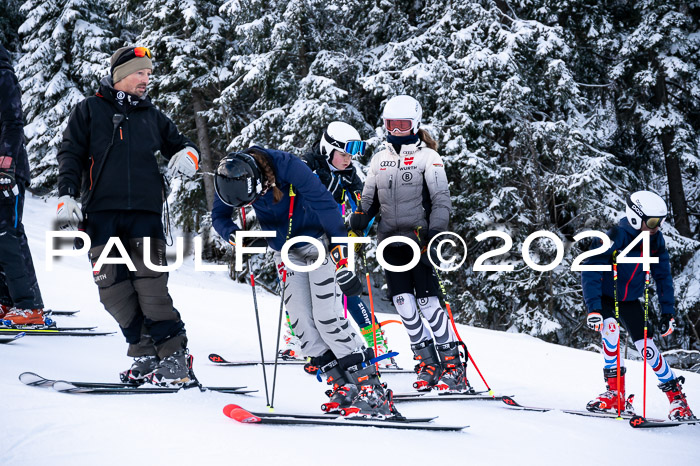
108,158
20,299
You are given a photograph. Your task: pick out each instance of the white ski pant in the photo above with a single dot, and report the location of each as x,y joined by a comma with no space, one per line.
315,306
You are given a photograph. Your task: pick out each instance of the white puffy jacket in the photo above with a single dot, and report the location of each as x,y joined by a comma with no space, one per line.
411,189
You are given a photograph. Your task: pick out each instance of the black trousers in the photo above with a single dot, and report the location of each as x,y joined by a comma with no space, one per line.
631,316
18,283
137,299
420,281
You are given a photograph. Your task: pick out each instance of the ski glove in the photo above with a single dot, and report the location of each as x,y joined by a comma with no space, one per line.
431,252
359,220
68,214
347,281
8,186
185,162
669,323
595,321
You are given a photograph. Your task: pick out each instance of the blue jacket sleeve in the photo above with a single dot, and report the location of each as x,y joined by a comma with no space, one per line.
316,197
664,281
221,218
592,282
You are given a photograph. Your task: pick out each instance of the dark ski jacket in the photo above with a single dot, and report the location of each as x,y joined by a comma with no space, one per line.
315,211
630,277
349,180
13,156
121,153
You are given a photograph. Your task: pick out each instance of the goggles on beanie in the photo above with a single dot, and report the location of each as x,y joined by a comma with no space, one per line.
398,124
136,52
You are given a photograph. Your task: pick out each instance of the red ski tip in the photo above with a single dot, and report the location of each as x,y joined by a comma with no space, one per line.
215,358
241,415
229,408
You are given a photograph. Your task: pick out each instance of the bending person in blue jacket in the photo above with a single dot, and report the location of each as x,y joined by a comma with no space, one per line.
265,178
331,160
645,211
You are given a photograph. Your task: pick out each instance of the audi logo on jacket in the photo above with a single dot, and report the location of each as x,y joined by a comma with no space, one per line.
411,191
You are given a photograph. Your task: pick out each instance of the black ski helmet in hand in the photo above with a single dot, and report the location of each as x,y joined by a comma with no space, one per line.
238,180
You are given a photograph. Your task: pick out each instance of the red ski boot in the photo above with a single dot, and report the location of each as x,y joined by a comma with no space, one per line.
680,411
608,401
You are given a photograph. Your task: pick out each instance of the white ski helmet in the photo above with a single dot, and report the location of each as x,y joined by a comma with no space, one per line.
402,107
647,207
336,136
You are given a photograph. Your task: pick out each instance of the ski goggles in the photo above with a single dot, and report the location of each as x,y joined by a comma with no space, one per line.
398,124
653,222
355,147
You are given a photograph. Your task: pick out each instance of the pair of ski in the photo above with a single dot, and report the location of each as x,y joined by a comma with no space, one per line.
334,419
395,422
99,388
220,361
634,420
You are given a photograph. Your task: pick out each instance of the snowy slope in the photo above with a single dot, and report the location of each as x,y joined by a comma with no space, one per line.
43,427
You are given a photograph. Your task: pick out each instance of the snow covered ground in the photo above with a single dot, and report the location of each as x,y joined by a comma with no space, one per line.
42,427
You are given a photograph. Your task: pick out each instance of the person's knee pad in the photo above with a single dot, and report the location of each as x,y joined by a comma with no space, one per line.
121,302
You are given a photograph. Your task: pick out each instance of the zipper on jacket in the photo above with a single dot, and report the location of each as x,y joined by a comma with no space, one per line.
128,170
121,136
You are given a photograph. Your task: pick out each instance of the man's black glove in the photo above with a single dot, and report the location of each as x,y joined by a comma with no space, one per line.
359,220
8,185
669,323
347,281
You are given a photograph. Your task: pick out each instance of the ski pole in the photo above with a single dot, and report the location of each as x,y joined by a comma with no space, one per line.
257,315
644,356
371,303
617,322
292,196
279,334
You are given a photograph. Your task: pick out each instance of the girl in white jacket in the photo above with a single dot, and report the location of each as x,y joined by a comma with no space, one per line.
407,186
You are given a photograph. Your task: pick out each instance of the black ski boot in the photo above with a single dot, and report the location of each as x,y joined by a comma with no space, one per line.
454,370
428,368
374,399
342,393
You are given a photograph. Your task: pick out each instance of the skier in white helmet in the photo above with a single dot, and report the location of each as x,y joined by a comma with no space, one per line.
646,211
331,160
407,184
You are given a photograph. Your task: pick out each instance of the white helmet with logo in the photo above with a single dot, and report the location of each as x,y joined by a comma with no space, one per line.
403,107
336,136
646,207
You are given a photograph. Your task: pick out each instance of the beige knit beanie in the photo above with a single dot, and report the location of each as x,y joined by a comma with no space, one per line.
126,60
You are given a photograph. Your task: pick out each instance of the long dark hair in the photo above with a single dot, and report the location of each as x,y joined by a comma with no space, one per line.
269,174
425,136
